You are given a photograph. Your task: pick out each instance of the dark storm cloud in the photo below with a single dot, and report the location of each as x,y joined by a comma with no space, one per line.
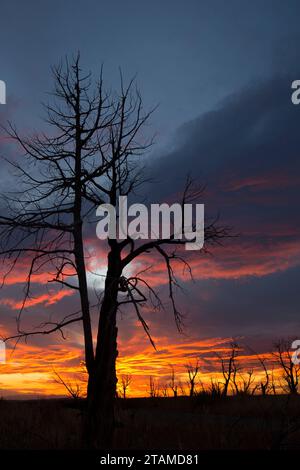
252,133
247,151
266,305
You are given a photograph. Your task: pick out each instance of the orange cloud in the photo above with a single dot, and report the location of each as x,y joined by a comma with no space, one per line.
234,262
46,299
29,370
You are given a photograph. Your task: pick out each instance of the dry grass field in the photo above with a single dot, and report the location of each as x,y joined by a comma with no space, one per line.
183,423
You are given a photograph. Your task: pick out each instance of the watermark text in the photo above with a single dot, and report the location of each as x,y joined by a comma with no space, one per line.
183,222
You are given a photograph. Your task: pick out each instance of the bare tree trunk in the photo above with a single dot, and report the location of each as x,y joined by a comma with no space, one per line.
77,231
84,300
225,389
103,380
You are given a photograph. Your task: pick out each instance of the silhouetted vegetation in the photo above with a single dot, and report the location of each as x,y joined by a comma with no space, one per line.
200,422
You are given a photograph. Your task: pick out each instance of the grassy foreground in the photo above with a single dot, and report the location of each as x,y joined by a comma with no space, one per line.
183,423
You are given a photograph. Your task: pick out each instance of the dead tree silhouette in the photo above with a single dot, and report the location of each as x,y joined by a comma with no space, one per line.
243,386
153,387
273,387
229,368
192,371
173,384
290,370
264,384
125,383
241,382
74,390
90,156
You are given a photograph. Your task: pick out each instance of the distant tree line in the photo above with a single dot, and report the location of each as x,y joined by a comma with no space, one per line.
276,374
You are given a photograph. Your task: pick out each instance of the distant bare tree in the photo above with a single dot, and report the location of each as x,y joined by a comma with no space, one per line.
290,370
243,385
229,368
192,371
273,382
173,384
125,383
153,387
264,383
74,390
234,379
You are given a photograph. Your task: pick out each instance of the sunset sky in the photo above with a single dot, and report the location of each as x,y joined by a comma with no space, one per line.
221,73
